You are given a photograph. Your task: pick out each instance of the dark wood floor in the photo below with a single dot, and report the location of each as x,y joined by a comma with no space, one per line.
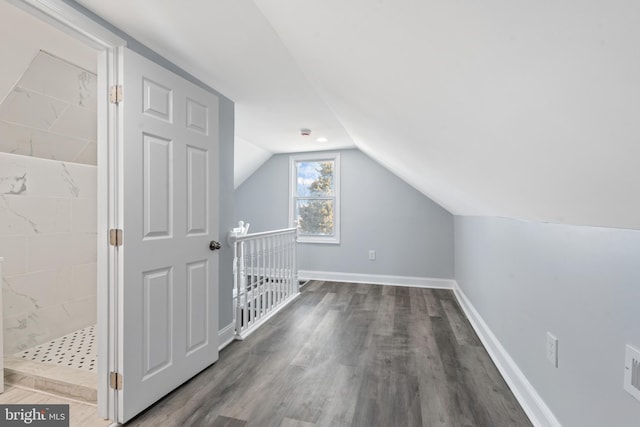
350,355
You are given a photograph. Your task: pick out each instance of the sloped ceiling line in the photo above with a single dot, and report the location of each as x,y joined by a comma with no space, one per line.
517,110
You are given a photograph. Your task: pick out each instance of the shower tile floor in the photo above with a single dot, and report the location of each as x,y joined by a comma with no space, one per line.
65,366
75,350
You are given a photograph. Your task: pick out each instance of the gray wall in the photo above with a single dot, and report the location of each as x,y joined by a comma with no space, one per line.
226,210
580,283
412,235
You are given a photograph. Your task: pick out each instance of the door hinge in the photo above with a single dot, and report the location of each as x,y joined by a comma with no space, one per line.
115,380
115,94
115,237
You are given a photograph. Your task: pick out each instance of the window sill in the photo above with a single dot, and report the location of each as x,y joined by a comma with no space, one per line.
321,240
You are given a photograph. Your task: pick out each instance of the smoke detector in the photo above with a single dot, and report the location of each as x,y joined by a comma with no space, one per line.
305,132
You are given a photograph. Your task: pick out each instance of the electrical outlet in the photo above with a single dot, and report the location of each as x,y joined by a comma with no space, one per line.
632,371
552,349
372,255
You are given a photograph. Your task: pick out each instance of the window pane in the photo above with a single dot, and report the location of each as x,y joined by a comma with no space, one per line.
315,217
315,178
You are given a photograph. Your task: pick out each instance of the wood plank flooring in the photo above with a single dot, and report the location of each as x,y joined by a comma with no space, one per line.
350,355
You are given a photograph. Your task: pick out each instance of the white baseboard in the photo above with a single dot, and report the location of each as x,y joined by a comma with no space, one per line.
377,279
226,335
533,405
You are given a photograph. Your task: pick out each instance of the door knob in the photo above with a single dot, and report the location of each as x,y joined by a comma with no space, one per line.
214,246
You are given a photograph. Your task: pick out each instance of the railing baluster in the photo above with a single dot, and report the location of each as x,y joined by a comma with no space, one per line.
256,277
292,263
251,286
238,271
268,277
277,285
247,283
285,262
265,282
292,248
271,264
263,279
265,276
287,271
274,272
283,269
276,269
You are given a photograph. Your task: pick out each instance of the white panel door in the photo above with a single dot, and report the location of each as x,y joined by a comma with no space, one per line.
168,293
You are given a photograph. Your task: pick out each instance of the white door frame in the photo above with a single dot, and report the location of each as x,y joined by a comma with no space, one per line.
109,48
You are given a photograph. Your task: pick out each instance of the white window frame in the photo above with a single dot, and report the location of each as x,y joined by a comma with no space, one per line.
293,178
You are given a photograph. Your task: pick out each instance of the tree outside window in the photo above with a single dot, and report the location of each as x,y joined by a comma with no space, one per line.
314,197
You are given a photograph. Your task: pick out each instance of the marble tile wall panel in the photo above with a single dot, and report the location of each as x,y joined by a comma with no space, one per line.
31,109
60,179
83,279
41,321
48,239
48,322
14,251
84,215
59,79
47,203
44,289
28,141
88,155
50,251
13,171
51,112
77,122
15,301
16,335
28,215
29,176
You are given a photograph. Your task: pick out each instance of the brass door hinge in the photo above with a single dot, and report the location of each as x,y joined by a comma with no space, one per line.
115,380
115,237
115,94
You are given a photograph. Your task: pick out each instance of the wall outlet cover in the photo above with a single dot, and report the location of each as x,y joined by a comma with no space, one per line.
552,349
632,371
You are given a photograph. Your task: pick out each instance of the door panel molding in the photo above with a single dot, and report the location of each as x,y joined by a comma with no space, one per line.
157,321
158,186
168,291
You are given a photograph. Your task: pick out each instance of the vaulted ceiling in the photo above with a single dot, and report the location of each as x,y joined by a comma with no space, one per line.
525,109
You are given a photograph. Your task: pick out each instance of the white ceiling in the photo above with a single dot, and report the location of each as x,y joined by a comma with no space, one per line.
519,109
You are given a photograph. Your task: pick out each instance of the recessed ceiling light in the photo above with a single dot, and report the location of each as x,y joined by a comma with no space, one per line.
322,139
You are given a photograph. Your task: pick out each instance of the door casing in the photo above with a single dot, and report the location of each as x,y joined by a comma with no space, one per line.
108,50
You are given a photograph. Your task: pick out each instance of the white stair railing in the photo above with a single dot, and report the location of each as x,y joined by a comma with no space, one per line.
265,276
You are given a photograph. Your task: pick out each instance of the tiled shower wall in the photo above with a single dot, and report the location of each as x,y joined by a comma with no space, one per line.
48,203
48,241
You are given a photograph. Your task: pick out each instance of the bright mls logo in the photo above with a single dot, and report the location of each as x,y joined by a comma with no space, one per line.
34,415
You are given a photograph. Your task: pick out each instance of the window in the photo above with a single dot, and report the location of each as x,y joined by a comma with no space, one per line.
314,200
